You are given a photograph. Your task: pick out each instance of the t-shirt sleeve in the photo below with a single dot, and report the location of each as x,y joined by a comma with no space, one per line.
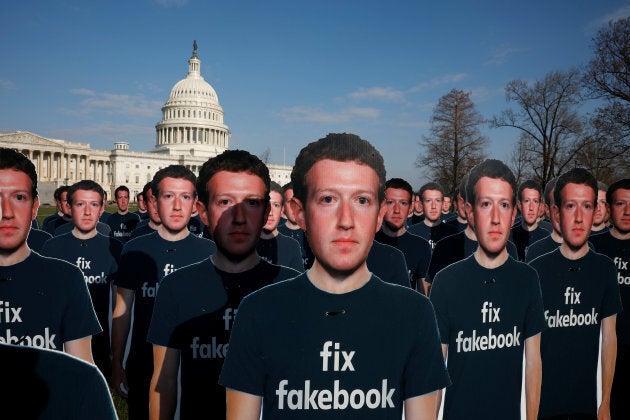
243,369
611,302
423,263
134,265
399,264
425,370
439,299
535,316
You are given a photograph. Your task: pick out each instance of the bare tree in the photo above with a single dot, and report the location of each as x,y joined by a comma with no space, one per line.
455,144
607,77
518,162
547,117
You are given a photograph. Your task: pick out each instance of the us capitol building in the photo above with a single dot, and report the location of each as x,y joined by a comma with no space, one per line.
190,132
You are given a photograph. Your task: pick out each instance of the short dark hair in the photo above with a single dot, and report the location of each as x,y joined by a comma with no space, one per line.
120,188
11,159
232,161
287,186
491,168
400,184
85,185
59,191
601,186
340,147
532,185
551,184
574,176
274,186
430,186
146,188
622,184
461,190
172,171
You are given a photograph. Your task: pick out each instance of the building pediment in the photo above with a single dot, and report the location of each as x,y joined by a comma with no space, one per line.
29,139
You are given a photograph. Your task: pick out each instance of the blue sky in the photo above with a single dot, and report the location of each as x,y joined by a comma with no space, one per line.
286,72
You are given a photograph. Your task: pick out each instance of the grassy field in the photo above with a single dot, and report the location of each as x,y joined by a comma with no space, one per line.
45,211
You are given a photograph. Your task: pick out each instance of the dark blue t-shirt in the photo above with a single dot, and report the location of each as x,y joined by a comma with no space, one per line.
523,238
351,355
37,238
194,313
619,251
45,303
122,225
97,258
298,234
432,233
281,250
577,295
484,317
416,250
388,264
143,263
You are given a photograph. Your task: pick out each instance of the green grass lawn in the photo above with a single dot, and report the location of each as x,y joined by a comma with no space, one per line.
45,211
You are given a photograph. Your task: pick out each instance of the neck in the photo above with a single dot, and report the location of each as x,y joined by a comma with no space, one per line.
235,265
573,253
267,234
122,213
624,236
154,225
79,234
12,257
170,235
336,282
597,228
291,225
470,233
392,232
461,220
556,236
430,223
487,260
526,226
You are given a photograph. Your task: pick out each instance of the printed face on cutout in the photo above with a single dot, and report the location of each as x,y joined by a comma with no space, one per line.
529,204
175,203
152,207
575,214
620,210
65,206
341,214
275,203
122,200
432,205
86,207
446,204
236,212
492,214
397,203
142,206
17,209
288,211
601,209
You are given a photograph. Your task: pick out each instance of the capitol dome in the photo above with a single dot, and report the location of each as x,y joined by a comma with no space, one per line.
192,118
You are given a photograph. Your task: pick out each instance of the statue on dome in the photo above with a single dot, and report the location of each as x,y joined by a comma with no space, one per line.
195,48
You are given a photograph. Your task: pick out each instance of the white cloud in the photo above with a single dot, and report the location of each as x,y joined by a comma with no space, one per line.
107,132
316,115
114,104
172,3
502,53
438,81
6,84
377,93
621,13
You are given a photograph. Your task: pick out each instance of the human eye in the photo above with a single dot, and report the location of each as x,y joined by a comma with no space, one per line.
363,200
95,204
21,197
326,199
253,202
389,202
484,203
506,205
223,202
404,203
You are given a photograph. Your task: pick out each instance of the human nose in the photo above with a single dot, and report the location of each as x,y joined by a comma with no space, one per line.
396,207
238,213
494,214
345,215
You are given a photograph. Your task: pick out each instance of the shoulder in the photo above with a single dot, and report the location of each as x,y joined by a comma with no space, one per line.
275,272
55,269
141,242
